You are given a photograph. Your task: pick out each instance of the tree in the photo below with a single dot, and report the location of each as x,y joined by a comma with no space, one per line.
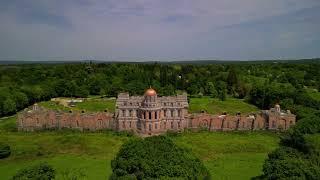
9,106
221,90
232,79
212,90
156,157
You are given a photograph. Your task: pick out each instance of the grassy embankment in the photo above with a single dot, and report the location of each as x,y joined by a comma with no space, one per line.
229,155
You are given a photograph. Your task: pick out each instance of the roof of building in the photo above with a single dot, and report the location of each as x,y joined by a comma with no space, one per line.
150,92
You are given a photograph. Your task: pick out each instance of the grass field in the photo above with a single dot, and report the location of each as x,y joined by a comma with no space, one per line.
92,105
215,106
232,155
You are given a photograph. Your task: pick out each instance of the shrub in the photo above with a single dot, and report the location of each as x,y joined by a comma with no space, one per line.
42,171
5,151
156,158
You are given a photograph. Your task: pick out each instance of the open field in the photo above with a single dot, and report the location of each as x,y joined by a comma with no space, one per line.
215,106
232,155
91,105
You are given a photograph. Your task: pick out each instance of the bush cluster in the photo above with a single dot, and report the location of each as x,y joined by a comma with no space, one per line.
5,150
42,171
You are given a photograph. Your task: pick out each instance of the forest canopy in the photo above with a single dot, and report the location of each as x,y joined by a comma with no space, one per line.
261,84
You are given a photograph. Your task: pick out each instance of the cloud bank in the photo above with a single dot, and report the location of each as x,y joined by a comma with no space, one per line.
159,29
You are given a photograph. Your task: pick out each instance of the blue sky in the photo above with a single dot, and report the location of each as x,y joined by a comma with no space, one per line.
159,29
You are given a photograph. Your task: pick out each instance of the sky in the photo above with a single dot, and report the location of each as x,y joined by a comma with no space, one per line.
159,30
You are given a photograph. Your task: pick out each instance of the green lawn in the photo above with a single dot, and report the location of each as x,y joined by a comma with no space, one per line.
230,155
227,155
215,106
92,105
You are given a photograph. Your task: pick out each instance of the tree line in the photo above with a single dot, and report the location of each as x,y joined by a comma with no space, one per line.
260,84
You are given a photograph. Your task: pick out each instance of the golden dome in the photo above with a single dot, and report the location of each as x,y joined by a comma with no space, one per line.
150,92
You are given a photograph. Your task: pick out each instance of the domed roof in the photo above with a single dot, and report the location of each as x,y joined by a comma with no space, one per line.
150,92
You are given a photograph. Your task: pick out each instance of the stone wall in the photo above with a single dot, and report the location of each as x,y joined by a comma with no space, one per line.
264,120
41,118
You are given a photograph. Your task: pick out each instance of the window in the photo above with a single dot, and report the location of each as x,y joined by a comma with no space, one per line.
171,113
149,115
156,114
150,127
179,113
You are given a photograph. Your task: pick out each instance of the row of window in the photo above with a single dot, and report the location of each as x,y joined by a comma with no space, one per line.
139,104
148,115
150,125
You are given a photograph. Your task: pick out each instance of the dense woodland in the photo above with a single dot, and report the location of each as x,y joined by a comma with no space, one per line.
261,84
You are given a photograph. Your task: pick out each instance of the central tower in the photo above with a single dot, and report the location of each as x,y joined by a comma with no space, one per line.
150,111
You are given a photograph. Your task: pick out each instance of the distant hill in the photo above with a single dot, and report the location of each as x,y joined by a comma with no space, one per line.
200,62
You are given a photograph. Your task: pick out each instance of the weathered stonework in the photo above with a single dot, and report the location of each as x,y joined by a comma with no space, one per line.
150,114
40,118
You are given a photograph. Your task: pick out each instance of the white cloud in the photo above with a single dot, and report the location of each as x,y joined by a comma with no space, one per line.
134,29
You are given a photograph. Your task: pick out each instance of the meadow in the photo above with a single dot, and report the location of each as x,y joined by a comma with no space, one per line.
227,155
215,106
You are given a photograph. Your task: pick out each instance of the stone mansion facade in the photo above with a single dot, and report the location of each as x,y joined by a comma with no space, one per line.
150,115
